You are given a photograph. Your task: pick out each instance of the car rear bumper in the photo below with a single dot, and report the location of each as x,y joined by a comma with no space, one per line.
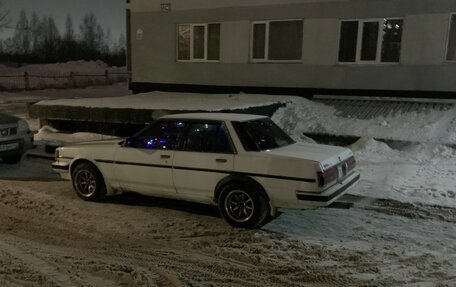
325,198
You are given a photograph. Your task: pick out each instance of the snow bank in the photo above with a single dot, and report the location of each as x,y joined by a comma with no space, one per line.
303,115
47,133
61,75
173,101
78,67
415,173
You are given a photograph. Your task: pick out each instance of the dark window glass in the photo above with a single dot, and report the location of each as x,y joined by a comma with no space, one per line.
259,41
213,41
285,40
207,137
183,49
198,42
161,135
392,37
369,41
451,53
261,134
348,41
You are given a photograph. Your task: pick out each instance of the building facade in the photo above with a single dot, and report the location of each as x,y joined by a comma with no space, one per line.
367,47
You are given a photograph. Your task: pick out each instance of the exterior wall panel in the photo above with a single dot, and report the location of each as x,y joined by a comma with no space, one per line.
320,41
424,39
235,42
421,67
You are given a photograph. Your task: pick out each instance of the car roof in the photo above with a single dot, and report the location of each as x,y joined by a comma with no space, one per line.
215,116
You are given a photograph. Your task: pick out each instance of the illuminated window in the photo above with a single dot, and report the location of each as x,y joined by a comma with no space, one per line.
198,42
161,135
370,41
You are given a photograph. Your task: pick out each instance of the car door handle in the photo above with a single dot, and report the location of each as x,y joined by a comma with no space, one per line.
221,160
165,156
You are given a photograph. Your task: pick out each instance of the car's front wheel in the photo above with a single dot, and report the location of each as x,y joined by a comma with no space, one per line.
88,182
243,206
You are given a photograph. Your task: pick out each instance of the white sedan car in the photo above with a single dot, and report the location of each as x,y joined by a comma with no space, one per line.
245,164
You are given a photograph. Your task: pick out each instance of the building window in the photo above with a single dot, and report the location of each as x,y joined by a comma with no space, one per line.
278,40
451,50
198,42
370,41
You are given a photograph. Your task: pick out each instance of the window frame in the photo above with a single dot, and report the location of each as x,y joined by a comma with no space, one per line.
192,59
447,46
266,41
359,41
152,126
246,139
186,130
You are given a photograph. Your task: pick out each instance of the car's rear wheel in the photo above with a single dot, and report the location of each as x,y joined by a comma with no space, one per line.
243,206
12,159
88,182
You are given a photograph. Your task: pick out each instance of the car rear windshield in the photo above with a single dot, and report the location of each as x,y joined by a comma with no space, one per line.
262,134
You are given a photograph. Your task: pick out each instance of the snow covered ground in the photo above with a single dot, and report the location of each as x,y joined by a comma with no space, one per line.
401,231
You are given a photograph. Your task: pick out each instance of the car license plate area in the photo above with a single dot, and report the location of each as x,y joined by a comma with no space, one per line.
9,146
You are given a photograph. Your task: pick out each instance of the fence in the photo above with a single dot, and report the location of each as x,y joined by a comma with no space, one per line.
28,81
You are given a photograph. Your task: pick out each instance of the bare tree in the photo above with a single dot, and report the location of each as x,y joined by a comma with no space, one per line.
121,44
69,31
22,38
51,39
91,33
35,31
4,17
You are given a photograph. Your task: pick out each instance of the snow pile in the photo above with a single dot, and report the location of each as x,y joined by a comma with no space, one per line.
303,115
298,116
371,149
61,75
174,101
414,173
47,133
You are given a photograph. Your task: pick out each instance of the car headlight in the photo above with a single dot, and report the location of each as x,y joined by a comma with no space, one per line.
22,127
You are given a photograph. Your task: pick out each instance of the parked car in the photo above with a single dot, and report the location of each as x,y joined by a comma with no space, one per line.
244,164
15,138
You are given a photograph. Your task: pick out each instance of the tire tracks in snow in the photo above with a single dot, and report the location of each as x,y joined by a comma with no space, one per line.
406,209
69,267
35,263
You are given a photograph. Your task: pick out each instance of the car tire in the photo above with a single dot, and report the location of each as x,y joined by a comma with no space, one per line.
242,205
88,182
12,159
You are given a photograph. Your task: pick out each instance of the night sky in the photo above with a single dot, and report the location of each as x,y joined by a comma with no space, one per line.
110,13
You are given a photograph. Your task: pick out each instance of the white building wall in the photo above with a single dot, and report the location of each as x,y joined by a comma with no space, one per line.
422,65
234,42
425,39
320,41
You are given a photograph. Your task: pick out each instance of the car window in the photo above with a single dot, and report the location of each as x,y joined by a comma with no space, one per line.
160,135
262,134
207,137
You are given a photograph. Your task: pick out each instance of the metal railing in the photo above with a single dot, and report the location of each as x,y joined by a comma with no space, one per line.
28,81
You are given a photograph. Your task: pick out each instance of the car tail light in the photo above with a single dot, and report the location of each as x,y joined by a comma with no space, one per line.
327,176
351,163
